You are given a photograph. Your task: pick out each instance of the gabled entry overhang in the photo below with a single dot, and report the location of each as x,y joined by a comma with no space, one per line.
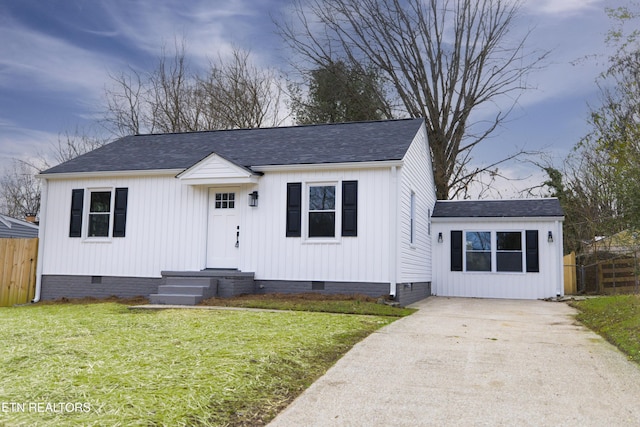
216,170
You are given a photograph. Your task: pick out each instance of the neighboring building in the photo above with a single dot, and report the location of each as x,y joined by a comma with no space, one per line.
11,228
498,248
334,208
624,242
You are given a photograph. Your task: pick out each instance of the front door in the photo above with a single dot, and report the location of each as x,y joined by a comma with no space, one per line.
224,228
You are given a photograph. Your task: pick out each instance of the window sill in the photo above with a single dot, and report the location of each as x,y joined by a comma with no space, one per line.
320,241
495,272
97,240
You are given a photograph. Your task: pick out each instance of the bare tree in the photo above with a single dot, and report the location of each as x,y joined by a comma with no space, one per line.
230,94
171,94
240,94
160,100
19,187
445,59
69,145
19,191
124,99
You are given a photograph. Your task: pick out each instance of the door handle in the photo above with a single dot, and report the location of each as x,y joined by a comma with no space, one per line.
237,236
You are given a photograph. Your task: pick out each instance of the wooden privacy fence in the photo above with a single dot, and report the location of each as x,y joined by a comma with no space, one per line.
618,276
17,270
570,279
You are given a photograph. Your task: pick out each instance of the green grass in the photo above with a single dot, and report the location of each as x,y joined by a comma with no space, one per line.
168,367
345,304
616,318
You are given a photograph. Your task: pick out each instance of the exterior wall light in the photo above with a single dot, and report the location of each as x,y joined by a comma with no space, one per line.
440,237
550,237
253,199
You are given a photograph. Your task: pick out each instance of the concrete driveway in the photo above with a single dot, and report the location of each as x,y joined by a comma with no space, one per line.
476,362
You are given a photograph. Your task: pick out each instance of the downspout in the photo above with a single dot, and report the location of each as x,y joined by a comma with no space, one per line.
560,260
393,231
43,210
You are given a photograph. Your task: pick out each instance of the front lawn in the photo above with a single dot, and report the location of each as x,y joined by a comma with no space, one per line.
103,364
616,318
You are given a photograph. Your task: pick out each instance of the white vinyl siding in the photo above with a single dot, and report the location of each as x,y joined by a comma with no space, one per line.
166,230
364,258
414,248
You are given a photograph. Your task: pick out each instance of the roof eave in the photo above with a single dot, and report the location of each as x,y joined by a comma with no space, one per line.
495,218
109,174
327,166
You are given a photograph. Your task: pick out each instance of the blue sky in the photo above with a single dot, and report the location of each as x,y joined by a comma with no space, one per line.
55,57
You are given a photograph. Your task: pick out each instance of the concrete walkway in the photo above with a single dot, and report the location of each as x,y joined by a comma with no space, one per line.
473,362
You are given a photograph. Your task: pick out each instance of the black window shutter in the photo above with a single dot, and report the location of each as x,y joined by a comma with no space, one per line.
294,209
350,208
456,250
120,212
77,202
532,257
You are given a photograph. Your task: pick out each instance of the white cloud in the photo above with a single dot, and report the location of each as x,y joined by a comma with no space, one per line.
562,8
33,61
209,29
513,181
22,144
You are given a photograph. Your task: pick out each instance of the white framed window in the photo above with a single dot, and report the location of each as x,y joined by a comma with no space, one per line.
99,213
321,207
509,254
478,251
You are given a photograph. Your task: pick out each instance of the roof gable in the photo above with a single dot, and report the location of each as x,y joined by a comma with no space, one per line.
516,208
215,169
313,144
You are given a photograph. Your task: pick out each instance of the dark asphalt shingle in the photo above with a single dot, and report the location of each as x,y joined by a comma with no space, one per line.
498,208
326,143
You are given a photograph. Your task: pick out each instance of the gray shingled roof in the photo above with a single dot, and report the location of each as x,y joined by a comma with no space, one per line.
498,208
326,143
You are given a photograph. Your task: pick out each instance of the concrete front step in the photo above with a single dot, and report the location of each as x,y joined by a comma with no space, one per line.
189,281
185,290
214,283
175,299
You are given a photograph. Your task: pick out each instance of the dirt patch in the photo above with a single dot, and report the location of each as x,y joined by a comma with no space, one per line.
289,297
137,300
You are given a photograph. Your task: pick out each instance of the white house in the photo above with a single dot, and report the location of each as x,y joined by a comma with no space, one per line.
334,208
338,208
